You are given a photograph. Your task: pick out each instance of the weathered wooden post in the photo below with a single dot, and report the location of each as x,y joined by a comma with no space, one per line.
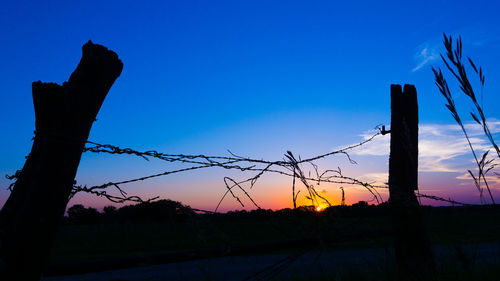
64,116
412,249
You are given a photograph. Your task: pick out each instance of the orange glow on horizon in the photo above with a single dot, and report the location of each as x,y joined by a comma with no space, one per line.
278,197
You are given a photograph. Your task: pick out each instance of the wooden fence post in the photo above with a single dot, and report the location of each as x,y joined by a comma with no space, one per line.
64,116
412,249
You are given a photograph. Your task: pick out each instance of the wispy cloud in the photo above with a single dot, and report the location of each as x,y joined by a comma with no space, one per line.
376,178
493,180
424,55
440,146
475,36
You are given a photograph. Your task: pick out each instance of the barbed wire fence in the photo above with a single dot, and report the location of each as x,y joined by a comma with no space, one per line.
290,166
305,172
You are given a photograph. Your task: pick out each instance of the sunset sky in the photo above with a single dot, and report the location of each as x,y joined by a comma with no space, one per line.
257,78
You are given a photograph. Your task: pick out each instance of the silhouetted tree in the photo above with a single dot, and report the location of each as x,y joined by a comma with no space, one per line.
109,210
157,211
81,215
361,204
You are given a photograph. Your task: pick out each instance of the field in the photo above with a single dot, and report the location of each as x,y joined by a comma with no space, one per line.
108,245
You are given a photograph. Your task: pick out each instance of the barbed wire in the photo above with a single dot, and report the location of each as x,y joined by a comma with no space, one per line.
437,198
13,178
289,166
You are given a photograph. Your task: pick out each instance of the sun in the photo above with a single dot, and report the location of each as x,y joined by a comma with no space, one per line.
318,209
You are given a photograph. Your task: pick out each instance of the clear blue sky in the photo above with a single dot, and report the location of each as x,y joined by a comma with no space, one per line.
256,77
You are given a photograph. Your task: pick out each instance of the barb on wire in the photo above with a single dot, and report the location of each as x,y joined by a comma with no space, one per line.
203,159
437,198
369,186
13,178
314,196
116,199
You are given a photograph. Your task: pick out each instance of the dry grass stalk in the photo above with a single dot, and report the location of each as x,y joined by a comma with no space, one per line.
453,62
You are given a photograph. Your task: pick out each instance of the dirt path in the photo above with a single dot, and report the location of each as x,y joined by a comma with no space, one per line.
272,266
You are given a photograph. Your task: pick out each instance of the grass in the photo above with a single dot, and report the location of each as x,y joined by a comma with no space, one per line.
84,243
456,66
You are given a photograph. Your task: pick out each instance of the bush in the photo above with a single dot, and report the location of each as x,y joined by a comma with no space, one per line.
80,215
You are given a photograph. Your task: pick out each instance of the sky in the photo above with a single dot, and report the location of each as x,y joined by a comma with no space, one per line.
257,78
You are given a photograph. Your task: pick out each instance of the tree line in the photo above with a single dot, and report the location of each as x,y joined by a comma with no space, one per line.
169,211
